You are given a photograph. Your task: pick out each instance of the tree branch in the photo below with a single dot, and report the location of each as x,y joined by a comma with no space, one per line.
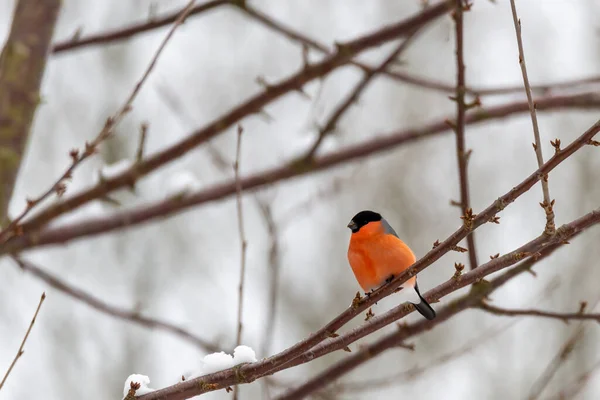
113,311
566,349
134,29
462,155
353,96
21,351
243,243
539,313
22,66
547,203
94,226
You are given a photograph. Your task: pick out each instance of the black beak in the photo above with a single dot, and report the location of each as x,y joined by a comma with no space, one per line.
352,225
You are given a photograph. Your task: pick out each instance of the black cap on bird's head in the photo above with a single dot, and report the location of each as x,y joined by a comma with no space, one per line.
363,218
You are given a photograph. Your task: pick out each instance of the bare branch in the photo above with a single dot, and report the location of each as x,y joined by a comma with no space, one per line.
134,29
421,369
115,312
243,243
353,96
547,204
77,157
578,384
462,155
274,269
539,313
567,348
22,66
21,351
94,226
274,266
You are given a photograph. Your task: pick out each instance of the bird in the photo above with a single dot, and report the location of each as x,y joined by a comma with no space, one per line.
377,255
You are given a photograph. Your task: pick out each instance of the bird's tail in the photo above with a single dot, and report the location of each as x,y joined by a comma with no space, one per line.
423,306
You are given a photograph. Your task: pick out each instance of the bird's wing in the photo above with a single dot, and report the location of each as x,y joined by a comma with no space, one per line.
388,228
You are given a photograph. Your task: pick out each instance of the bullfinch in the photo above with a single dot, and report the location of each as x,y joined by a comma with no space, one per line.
376,255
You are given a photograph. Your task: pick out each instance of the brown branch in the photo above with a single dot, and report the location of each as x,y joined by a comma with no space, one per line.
539,313
353,96
345,52
243,243
22,66
274,273
476,91
113,311
421,369
578,384
462,155
21,351
274,266
77,157
566,349
547,203
305,350
160,209
134,29
472,299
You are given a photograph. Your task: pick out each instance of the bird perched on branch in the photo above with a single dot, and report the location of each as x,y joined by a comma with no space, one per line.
377,255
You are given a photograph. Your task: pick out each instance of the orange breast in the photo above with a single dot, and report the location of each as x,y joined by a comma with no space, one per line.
374,256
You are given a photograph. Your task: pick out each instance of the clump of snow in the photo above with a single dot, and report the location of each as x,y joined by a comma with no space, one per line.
216,362
243,354
111,170
182,182
143,380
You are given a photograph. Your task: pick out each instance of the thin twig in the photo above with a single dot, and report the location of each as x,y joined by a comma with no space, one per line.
21,351
578,384
134,29
274,266
462,155
547,203
77,157
274,269
115,312
142,142
353,96
540,313
243,243
161,209
565,351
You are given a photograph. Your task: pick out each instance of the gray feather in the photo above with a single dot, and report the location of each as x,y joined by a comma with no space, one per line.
388,228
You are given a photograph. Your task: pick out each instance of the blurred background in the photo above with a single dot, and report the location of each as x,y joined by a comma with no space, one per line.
185,269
